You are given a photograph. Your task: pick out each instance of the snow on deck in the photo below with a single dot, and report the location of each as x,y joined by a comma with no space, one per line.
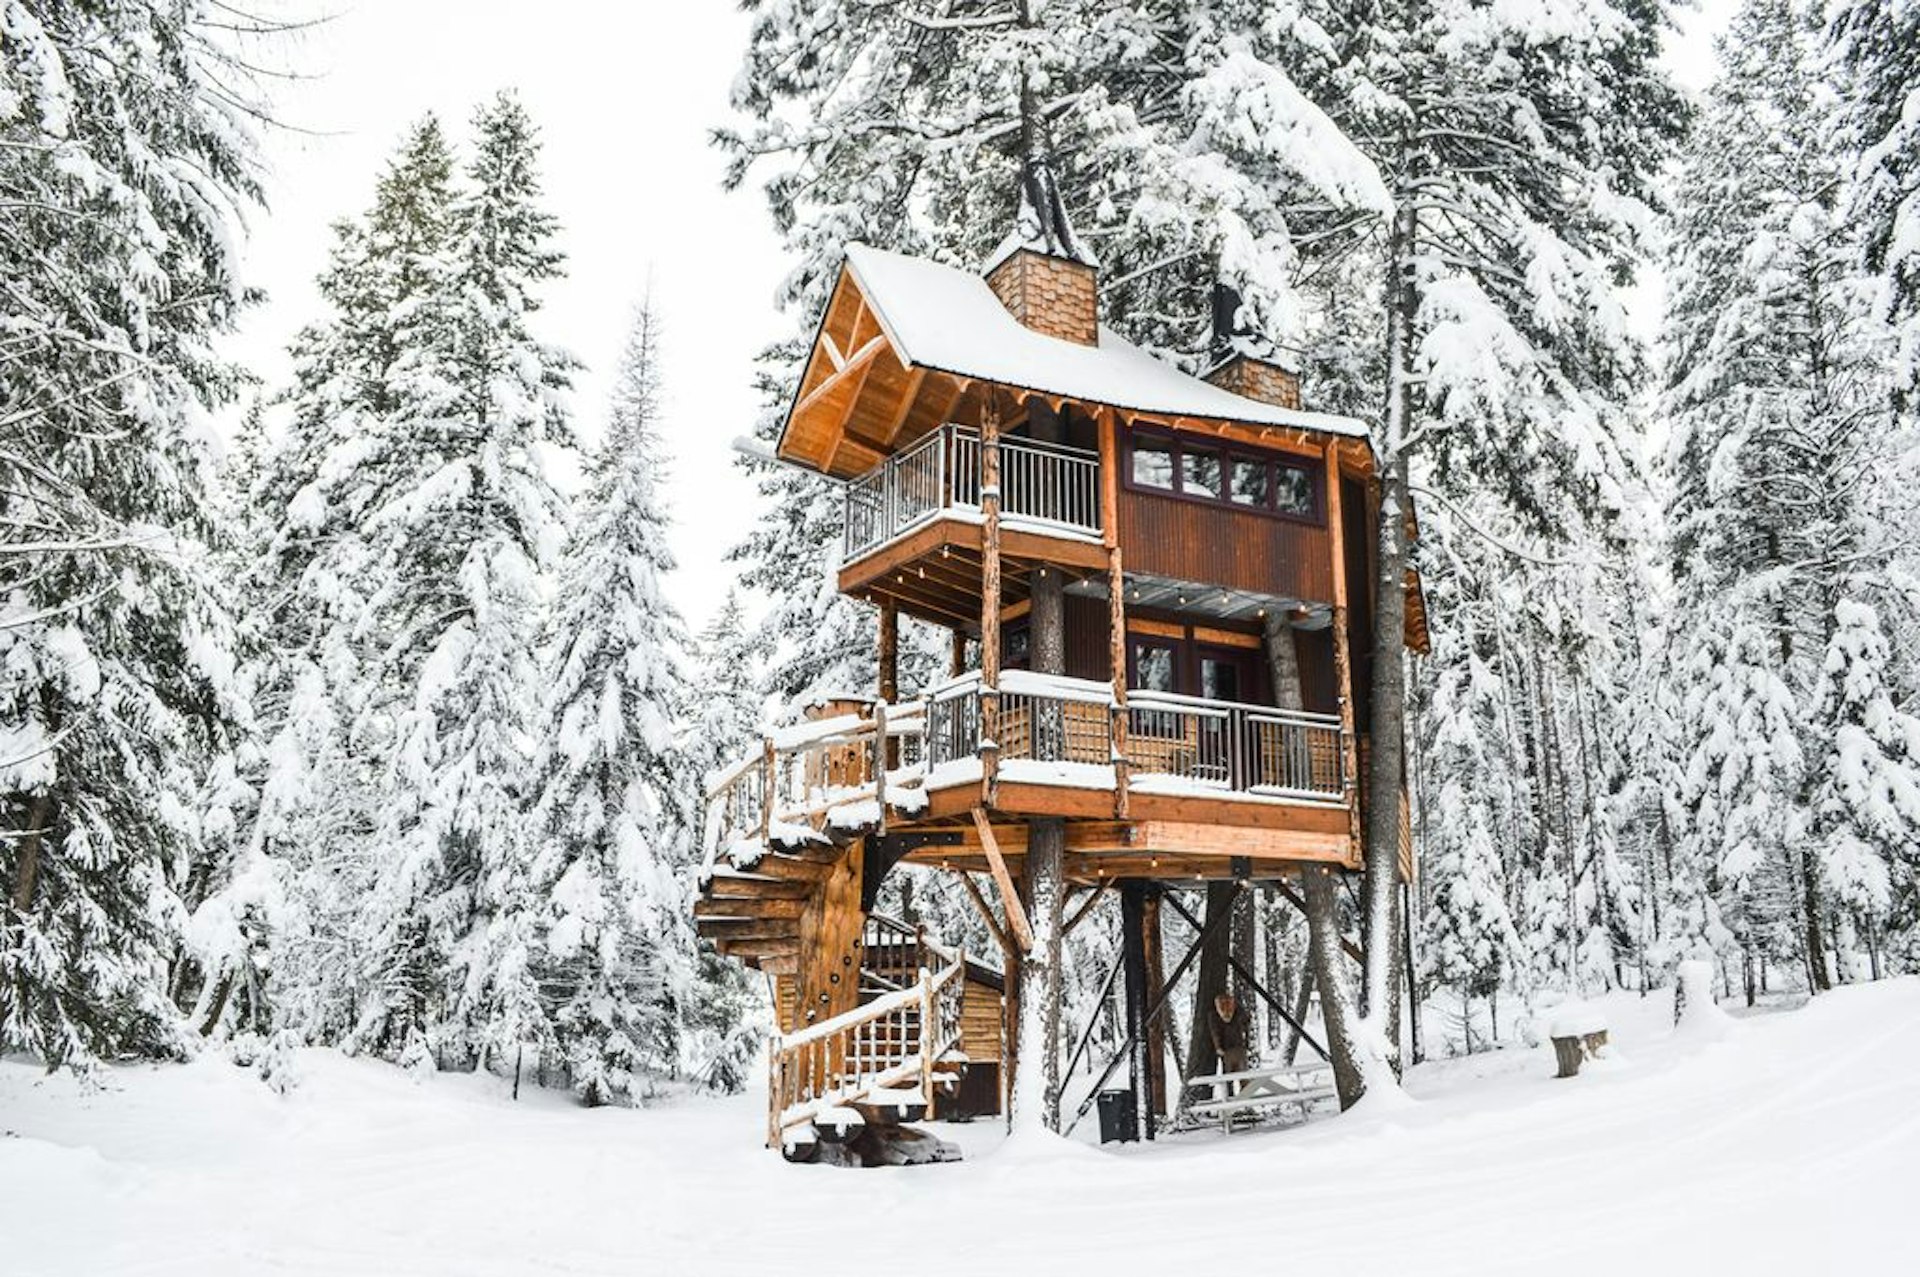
948,319
1786,1147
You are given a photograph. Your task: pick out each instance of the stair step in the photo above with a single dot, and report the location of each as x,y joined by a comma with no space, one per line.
759,948
749,928
711,908
792,869
732,885
817,853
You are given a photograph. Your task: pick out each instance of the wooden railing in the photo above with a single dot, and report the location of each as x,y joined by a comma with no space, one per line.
814,772
1043,483
1216,745
896,1041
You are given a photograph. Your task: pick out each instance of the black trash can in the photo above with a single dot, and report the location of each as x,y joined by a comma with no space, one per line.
1119,1117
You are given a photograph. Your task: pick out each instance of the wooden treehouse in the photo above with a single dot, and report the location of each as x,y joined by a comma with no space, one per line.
1156,586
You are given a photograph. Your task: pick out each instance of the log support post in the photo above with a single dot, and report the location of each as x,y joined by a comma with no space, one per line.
1343,655
1109,435
990,600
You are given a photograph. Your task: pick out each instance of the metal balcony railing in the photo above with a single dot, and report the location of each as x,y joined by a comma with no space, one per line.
1208,745
1040,483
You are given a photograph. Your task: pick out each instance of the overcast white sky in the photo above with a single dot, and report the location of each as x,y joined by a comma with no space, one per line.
625,94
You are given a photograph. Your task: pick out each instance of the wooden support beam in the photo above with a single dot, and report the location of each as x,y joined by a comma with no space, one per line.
1009,895
908,397
842,376
1342,655
1086,907
985,911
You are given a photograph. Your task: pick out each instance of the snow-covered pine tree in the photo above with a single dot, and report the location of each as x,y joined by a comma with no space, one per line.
1878,46
609,886
1779,404
310,495
126,167
1866,793
1468,939
723,1014
459,546
1518,148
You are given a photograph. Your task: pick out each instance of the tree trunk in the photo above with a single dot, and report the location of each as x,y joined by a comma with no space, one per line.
1283,662
1046,848
1381,896
1337,1013
1387,721
1302,1003
1818,979
32,837
1210,979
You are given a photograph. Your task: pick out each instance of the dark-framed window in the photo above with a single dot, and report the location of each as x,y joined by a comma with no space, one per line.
1223,473
1155,663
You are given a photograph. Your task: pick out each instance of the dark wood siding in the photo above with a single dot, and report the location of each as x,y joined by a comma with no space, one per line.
1353,500
1218,545
1087,638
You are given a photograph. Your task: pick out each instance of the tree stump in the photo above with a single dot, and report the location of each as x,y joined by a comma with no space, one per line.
1579,1034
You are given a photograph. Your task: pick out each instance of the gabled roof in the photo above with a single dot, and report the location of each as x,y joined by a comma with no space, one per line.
948,320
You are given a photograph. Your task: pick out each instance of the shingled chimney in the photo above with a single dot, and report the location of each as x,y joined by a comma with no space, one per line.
1041,272
1243,361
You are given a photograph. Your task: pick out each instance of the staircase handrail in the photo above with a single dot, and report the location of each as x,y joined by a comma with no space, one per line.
939,1035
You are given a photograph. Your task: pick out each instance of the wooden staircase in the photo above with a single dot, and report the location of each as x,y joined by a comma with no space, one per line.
870,1009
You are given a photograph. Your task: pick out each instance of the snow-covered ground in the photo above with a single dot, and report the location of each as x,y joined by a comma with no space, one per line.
1787,1145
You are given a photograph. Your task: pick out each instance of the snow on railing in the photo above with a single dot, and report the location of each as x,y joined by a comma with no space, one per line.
1047,484
804,774
898,1037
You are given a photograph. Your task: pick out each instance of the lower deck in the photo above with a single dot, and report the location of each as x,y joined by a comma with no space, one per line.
1160,786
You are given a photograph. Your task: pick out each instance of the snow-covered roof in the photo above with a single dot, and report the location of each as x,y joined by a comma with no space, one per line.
948,319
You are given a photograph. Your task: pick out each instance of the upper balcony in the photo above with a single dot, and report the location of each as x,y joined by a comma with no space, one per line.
915,523
1046,488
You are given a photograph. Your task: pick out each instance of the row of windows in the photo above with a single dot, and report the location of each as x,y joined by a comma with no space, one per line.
1167,463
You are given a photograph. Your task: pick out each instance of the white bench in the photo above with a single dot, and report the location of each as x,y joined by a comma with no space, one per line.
1260,1090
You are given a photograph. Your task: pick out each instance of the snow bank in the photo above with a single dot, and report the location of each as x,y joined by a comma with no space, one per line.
1792,1157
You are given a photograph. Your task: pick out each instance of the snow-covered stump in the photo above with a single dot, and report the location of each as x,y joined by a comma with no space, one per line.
1694,1010
1579,1034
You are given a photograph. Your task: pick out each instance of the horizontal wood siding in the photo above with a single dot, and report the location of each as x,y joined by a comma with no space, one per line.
980,1022
1217,545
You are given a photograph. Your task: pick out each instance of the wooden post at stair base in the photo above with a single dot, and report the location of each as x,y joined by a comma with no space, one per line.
1109,433
990,599
1342,652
